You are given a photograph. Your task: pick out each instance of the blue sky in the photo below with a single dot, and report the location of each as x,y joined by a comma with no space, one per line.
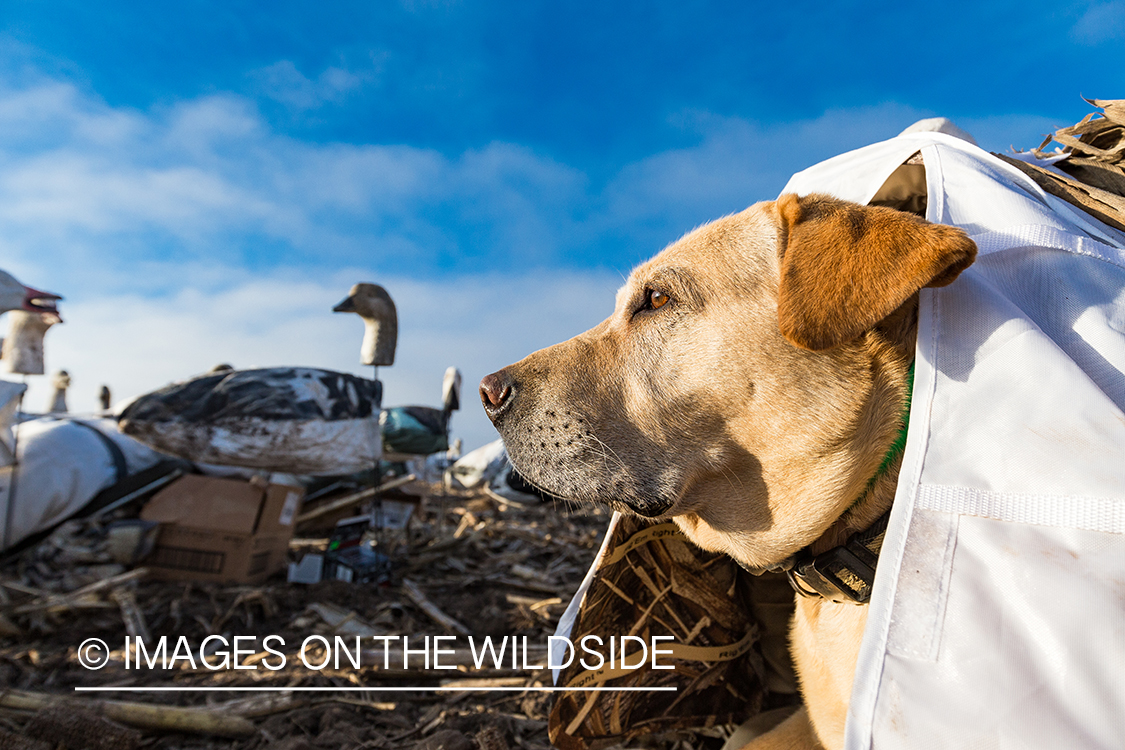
202,183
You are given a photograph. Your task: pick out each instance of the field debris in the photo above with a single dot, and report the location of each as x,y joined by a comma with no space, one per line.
471,563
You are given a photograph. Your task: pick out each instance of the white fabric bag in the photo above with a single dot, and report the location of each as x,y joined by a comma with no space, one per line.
998,613
63,464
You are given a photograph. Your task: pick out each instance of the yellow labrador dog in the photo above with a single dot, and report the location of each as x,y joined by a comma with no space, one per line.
749,385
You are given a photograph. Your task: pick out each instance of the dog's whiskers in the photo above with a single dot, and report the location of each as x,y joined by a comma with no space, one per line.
606,448
731,477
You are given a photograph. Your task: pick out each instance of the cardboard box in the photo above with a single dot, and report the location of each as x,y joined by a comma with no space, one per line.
223,530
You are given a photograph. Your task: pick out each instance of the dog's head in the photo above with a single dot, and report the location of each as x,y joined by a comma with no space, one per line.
748,381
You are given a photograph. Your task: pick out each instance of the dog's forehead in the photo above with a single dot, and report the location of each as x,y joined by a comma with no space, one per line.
742,242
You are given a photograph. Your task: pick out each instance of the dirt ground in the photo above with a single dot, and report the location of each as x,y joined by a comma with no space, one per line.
499,569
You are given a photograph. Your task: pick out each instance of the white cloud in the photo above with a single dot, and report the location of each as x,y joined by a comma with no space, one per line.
284,83
207,130
1102,22
50,112
208,175
92,194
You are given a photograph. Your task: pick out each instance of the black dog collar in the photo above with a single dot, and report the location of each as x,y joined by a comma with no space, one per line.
841,574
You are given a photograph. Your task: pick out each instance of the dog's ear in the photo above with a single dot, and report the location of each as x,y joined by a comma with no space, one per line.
845,267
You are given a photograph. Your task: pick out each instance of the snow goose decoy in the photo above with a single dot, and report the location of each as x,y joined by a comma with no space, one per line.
23,348
299,420
61,382
16,296
380,319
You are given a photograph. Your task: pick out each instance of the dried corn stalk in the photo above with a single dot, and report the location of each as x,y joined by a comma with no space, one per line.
1094,178
1099,137
654,582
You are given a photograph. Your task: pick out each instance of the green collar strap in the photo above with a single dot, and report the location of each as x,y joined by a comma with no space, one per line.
899,445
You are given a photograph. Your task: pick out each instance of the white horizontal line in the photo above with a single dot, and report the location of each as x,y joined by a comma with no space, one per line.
512,688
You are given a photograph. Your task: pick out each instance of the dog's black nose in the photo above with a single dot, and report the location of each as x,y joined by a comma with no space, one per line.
495,392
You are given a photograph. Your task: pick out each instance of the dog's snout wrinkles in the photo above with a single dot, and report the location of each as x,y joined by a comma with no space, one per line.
495,392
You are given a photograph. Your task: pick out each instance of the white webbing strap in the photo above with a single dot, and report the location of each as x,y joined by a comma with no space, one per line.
1089,513
1040,236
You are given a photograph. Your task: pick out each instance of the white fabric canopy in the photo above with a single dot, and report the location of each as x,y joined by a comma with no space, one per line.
998,614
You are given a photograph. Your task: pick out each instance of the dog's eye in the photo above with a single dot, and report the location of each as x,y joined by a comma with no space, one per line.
657,300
